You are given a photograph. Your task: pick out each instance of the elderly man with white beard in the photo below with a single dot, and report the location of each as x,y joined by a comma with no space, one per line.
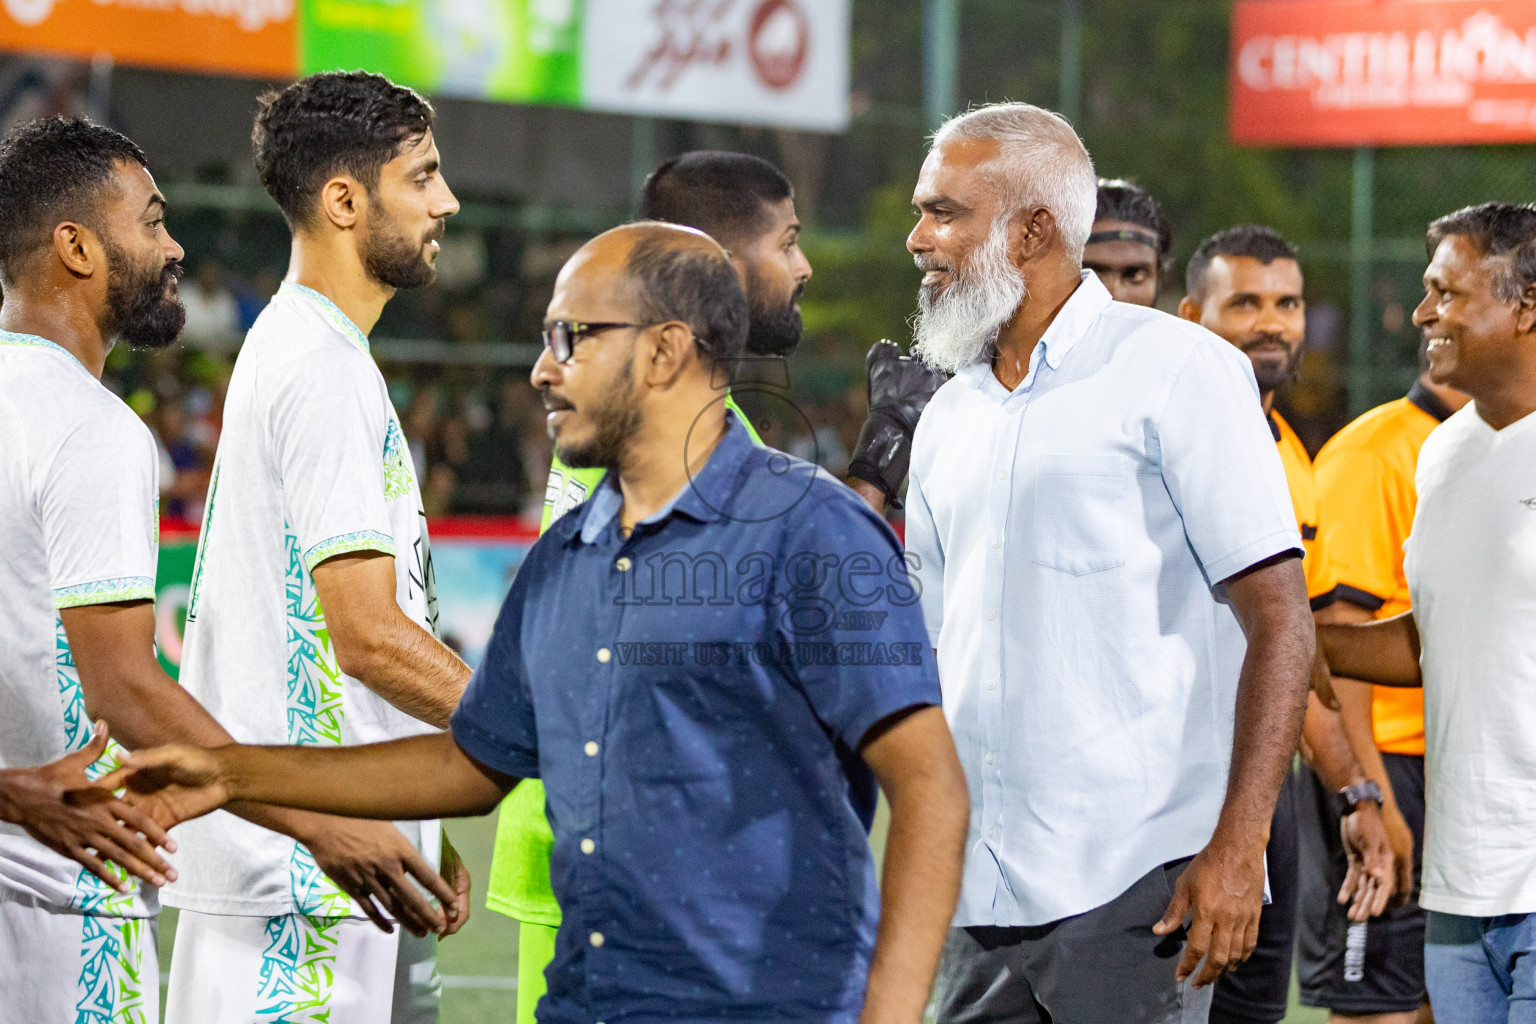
1085,493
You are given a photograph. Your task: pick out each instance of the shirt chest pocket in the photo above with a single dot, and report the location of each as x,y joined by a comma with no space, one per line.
1082,507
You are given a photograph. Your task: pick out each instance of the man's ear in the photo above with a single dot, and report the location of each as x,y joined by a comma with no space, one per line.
672,351
1525,310
78,248
1031,233
342,201
1190,310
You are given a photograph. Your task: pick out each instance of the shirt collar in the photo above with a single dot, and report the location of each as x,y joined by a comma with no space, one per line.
1430,402
330,310
1072,321
33,341
703,498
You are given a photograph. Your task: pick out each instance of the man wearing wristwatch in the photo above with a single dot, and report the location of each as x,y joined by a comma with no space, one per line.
1470,565
1245,284
1372,970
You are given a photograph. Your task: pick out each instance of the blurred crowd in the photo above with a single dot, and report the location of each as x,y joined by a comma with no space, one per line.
476,434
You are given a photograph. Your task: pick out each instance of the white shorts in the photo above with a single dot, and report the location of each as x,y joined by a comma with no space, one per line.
338,970
70,968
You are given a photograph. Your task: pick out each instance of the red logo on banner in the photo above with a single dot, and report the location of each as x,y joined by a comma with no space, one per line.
778,41
1383,72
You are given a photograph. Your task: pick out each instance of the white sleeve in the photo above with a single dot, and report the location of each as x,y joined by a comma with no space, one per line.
1221,466
99,507
925,557
328,427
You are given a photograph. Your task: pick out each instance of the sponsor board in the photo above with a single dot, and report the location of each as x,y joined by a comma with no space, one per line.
1366,72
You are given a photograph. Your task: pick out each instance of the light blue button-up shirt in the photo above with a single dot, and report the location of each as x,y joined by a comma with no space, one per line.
1070,536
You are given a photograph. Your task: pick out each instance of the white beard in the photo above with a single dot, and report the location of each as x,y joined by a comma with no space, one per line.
958,327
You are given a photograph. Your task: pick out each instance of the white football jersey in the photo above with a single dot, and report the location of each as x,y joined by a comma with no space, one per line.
78,518
312,464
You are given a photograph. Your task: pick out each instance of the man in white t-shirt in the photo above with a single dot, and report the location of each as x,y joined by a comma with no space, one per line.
85,261
1469,640
313,611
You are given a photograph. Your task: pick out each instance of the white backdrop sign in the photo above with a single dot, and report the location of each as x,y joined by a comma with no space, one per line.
771,62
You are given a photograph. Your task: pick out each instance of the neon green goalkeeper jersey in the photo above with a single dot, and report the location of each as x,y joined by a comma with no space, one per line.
519,885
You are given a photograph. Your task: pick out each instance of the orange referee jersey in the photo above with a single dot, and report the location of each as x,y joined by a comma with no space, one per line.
1368,497
1300,478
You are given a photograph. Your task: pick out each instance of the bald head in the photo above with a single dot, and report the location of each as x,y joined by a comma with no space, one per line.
665,272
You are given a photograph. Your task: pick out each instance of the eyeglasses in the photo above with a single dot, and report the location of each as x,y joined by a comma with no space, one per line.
561,336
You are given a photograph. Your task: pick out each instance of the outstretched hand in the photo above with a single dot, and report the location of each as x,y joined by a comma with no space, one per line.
370,861
172,784
61,808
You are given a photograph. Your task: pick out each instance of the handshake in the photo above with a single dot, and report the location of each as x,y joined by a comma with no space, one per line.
117,826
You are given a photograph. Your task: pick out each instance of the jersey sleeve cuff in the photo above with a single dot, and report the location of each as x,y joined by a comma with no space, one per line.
1281,542
123,588
1361,598
363,540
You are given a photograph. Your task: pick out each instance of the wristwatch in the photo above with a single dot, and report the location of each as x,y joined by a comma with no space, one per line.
1367,790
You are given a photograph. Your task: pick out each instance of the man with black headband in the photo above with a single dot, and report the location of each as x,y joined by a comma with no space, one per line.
1130,242
1245,284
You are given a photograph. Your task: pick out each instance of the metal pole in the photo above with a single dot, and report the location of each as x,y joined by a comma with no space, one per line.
98,90
642,154
1362,355
1069,91
941,44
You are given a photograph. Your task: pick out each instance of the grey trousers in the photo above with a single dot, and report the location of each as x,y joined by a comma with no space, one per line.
1102,967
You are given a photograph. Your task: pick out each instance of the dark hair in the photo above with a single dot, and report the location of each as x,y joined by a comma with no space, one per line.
1503,230
51,170
724,195
1252,240
1123,200
347,122
688,282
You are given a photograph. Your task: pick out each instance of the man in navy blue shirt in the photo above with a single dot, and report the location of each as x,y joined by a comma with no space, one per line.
709,665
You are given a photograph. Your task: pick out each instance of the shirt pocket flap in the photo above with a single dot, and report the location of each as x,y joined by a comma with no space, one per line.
1082,505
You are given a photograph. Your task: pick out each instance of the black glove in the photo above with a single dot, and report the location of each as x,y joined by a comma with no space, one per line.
899,388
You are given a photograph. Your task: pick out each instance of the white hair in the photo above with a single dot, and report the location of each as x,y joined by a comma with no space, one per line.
1040,162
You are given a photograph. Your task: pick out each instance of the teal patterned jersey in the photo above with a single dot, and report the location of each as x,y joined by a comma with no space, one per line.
78,517
312,465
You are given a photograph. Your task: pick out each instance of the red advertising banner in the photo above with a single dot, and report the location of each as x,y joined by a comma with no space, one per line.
1383,72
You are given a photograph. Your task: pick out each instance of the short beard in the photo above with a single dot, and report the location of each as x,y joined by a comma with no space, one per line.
1271,378
392,259
138,311
772,332
615,421
959,326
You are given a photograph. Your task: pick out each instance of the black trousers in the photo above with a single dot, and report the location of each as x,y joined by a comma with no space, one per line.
1102,967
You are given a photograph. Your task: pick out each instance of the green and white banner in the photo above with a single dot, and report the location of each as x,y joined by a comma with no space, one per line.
772,62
